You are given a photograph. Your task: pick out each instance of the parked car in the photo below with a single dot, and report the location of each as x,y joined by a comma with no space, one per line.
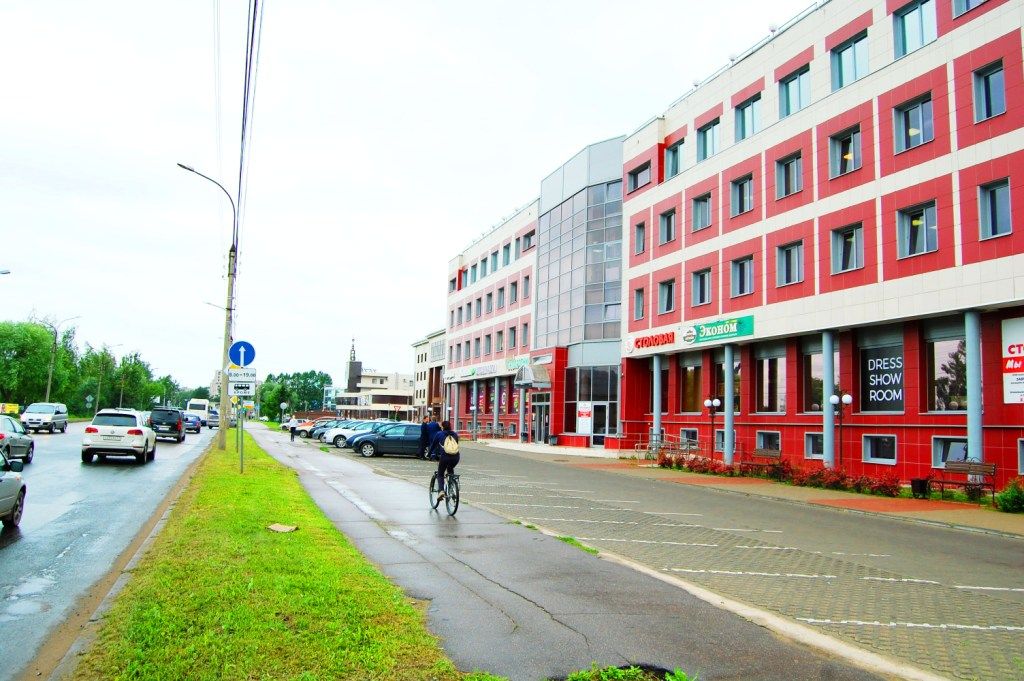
118,432
12,491
15,442
264,418
192,423
213,419
404,440
48,416
168,422
376,427
320,429
339,436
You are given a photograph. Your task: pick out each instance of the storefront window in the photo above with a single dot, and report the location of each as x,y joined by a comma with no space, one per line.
720,384
947,375
689,389
598,386
813,372
771,384
881,378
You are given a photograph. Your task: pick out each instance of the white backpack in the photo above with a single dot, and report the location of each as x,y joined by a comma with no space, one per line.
450,445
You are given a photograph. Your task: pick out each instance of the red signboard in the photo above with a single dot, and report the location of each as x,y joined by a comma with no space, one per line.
655,340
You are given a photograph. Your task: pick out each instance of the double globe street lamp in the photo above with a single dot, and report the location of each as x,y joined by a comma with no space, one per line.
839,403
712,405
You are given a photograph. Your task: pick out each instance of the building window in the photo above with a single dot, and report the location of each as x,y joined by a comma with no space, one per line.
961,6
701,212
742,195
707,140
916,231
451,285
667,296
490,303
525,337
638,303
947,374
501,297
506,254
844,152
639,238
476,347
465,354
499,341
479,308
768,439
948,449
913,123
459,314
701,285
494,261
688,437
487,344
989,92
742,276
795,92
813,377
483,268
667,227
748,117
673,159
528,240
814,446
994,209
472,274
789,264
513,293
718,388
771,384
639,177
789,176
469,311
879,448
850,61
517,249
914,26
526,286
847,248
690,400
511,337
451,319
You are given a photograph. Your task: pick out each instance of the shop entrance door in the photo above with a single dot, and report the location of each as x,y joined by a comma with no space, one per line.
541,427
600,424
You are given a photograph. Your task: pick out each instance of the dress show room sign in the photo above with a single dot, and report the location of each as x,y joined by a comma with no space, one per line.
881,371
1013,361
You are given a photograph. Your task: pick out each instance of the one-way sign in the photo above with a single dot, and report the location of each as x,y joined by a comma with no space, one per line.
241,389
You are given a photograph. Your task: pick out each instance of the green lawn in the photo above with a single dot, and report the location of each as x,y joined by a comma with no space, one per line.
221,597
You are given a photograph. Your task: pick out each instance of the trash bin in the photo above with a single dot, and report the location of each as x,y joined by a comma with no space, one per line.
553,440
920,488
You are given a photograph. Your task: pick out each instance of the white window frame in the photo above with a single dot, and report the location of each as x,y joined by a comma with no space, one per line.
513,292
866,450
781,261
782,175
984,105
639,176
985,209
964,6
742,192
937,447
501,298
929,239
639,238
511,337
741,271
904,130
700,275
684,435
667,296
836,239
708,143
850,61
748,117
667,227
759,439
918,16
704,212
673,159
808,449
801,80
836,154
638,304
499,341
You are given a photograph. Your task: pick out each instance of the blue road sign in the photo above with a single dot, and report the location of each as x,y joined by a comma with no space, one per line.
241,353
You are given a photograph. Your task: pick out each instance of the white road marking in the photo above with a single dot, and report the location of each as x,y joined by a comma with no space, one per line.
614,501
776,548
505,494
906,580
647,541
495,503
863,555
577,491
750,574
676,525
914,625
988,588
670,513
574,520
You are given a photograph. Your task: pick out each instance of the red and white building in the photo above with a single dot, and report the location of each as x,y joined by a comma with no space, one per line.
838,212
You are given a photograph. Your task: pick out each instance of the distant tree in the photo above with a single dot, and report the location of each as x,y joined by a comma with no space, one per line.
24,361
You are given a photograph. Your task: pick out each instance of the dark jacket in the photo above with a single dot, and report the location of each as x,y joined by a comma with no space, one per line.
433,428
437,442
424,435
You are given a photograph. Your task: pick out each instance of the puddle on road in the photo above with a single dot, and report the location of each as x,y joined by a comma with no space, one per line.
22,608
32,586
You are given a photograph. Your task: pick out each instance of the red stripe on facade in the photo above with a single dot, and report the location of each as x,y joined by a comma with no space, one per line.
748,92
793,64
861,23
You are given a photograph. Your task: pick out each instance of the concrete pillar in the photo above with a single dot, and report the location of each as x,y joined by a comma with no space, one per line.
497,405
522,413
828,428
475,406
972,337
656,401
454,404
729,404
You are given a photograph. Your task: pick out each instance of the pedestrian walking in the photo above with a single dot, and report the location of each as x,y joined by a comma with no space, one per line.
292,425
424,437
433,428
445,446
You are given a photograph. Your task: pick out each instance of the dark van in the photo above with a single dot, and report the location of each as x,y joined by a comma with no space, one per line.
168,423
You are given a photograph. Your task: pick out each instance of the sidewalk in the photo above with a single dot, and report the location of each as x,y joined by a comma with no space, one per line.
961,515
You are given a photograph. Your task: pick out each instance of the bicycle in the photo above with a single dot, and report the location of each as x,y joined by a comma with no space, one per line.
451,493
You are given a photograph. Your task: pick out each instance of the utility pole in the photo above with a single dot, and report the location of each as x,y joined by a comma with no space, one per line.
55,329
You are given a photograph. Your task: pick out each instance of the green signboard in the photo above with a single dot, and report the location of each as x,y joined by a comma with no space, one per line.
720,330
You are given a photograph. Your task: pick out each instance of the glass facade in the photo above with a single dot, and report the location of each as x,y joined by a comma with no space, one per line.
579,283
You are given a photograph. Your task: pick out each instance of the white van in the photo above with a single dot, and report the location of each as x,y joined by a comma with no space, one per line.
48,416
200,408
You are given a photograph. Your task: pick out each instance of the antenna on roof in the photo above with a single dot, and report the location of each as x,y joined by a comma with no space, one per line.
772,28
696,83
732,58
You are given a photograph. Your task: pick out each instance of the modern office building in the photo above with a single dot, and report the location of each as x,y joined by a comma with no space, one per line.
371,394
428,397
831,220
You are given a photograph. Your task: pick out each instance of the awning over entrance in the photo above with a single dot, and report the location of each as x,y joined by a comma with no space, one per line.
532,376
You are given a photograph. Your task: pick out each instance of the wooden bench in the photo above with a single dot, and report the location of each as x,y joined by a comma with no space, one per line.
761,459
971,467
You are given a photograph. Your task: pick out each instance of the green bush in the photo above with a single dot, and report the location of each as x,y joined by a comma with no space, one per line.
1011,499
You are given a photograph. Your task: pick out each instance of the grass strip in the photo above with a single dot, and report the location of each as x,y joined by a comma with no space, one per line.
219,596
573,541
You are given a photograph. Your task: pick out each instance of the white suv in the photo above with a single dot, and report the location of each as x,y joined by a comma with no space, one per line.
119,432
49,416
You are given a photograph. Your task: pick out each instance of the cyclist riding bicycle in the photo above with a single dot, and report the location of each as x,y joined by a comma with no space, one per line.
445,448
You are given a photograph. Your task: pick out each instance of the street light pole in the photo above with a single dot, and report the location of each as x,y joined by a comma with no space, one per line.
229,307
712,405
53,352
839,403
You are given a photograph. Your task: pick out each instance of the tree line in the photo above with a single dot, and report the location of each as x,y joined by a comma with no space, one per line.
26,349
302,391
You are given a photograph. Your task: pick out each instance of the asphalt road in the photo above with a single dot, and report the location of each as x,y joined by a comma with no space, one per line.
947,601
78,519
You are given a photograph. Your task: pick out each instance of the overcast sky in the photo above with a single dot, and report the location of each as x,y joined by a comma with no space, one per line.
387,136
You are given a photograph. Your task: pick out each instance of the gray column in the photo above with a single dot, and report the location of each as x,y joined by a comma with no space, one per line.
497,405
729,405
828,428
522,413
656,401
454,413
972,337
475,408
